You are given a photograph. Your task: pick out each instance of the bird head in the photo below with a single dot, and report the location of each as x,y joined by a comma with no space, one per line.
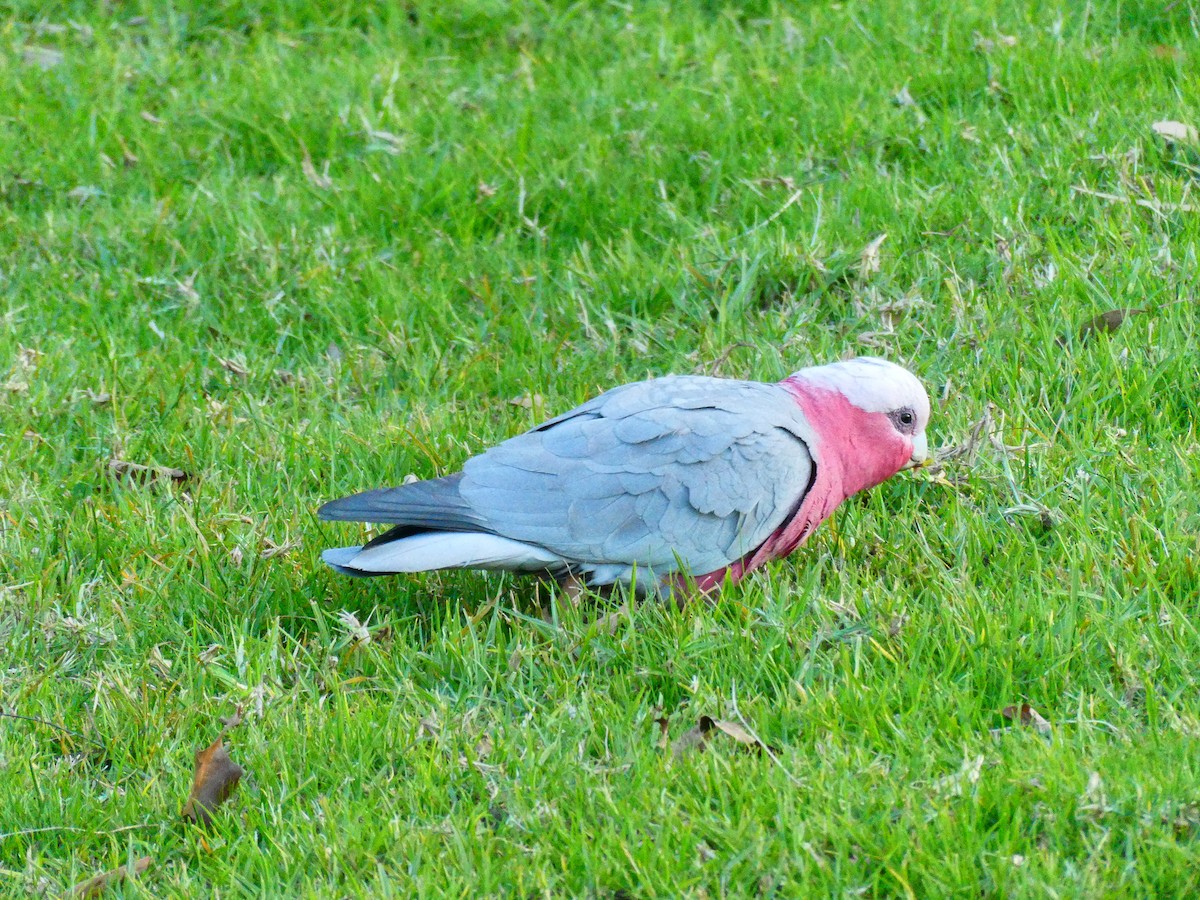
873,410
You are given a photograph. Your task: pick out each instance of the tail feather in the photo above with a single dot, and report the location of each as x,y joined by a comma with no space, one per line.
433,504
339,559
434,550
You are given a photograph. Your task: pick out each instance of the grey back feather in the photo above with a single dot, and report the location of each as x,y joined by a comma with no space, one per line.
686,470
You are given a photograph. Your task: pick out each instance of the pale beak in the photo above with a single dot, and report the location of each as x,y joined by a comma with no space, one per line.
920,454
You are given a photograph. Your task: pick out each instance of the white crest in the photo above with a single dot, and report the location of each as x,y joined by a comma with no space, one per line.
872,384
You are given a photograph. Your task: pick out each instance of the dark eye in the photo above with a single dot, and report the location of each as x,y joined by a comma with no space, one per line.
904,420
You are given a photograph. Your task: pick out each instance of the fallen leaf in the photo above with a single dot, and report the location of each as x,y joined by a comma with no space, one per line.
97,885
207,655
216,777
483,749
139,474
233,366
528,401
233,720
160,663
1165,51
1179,132
777,181
1026,715
664,735
1108,322
868,259
611,622
272,549
698,738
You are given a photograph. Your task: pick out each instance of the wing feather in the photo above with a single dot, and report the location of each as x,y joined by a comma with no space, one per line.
691,470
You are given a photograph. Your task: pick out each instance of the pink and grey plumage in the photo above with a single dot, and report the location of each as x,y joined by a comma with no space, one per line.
657,482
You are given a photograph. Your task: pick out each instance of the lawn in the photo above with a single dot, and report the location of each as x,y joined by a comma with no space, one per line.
281,251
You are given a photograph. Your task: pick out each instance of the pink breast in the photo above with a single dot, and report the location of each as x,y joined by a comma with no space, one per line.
853,450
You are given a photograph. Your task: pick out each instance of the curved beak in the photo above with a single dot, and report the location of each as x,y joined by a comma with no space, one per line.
920,454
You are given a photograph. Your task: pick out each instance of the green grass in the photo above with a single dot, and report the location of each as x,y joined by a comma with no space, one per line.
559,198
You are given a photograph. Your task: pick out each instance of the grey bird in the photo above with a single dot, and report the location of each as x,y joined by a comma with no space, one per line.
671,482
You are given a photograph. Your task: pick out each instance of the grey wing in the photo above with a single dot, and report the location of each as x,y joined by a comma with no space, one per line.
690,471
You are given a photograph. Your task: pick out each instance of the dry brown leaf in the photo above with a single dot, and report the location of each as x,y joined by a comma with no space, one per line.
207,655
216,777
699,737
483,749
1108,322
233,366
271,549
1178,132
610,623
528,401
233,720
97,885
1026,715
1165,51
664,732
139,474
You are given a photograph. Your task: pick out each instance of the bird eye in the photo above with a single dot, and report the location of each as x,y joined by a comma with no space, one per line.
904,419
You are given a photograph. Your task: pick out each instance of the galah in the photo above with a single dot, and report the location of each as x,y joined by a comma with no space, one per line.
657,484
